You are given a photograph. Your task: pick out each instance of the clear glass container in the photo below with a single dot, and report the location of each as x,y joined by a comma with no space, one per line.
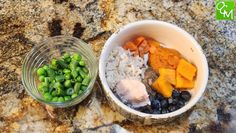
51,48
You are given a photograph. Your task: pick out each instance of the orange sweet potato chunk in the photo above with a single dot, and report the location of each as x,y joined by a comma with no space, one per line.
154,62
186,69
183,83
152,49
168,74
163,87
164,58
130,46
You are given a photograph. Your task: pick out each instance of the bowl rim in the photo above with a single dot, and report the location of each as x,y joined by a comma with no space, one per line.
69,102
178,112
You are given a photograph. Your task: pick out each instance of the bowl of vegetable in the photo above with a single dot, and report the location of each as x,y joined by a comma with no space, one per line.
60,71
152,71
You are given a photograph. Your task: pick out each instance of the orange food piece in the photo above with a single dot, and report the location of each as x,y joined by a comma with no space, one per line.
152,42
130,46
163,87
164,58
183,83
153,49
143,48
186,69
139,40
168,74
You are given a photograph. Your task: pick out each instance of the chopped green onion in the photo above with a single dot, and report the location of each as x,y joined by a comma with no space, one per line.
82,63
77,87
67,83
86,81
41,72
70,91
60,99
74,95
60,78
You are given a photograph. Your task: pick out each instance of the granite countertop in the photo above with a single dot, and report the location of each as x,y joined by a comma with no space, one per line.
24,23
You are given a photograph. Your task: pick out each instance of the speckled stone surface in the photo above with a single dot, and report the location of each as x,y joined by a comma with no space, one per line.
24,23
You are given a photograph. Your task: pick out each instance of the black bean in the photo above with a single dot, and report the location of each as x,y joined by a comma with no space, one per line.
180,104
159,97
155,104
174,101
152,98
185,95
175,94
164,111
164,103
170,100
172,108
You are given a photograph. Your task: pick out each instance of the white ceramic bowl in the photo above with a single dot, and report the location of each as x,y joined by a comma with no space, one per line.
171,36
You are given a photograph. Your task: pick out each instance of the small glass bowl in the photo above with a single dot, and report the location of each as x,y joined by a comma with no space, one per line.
53,48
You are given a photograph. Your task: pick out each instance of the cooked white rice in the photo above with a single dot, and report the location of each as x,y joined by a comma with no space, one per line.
121,64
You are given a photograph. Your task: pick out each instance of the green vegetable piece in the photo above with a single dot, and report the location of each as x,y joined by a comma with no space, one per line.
50,72
81,63
41,78
67,76
51,85
60,92
47,80
50,89
45,67
82,74
66,55
54,99
80,92
77,57
54,93
54,62
58,85
74,95
59,72
41,72
42,84
67,60
79,79
66,71
60,99
47,96
45,89
62,64
67,98
86,81
52,67
60,78
78,69
74,73
85,70
70,91
50,79
83,88
67,83
77,87
73,64
73,81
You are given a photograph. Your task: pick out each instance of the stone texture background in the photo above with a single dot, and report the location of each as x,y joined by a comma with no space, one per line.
24,23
